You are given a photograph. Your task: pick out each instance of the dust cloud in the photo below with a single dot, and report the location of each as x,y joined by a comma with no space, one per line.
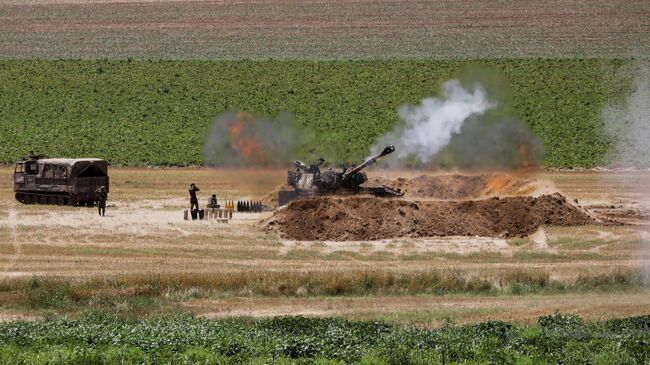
628,124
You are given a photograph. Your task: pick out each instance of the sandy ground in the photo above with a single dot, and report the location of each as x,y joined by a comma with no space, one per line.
144,233
435,310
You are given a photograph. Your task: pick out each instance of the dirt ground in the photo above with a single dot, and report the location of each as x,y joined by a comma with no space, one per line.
369,218
319,29
432,311
144,233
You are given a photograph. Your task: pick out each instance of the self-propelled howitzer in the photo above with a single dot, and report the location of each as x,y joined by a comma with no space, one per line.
309,181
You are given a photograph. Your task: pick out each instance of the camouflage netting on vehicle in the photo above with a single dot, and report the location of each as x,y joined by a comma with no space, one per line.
367,218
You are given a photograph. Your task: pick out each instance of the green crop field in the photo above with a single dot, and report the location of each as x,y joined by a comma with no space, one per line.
157,112
98,339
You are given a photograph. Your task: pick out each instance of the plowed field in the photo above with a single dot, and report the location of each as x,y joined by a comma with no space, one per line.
323,29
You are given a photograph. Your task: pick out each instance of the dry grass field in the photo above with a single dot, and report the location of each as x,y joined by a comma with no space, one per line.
144,258
323,29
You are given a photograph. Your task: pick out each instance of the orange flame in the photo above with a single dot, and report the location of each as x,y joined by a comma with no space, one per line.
509,185
497,184
513,184
524,157
247,146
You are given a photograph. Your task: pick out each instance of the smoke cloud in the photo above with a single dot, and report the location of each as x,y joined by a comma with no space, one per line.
242,139
461,128
502,144
430,126
628,124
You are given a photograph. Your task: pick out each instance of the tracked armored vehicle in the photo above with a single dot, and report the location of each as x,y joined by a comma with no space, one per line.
309,181
60,181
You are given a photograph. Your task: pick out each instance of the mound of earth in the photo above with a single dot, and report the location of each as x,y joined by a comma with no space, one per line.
457,186
361,218
446,187
271,199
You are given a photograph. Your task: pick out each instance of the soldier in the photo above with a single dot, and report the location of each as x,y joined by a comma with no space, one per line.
102,196
194,202
213,202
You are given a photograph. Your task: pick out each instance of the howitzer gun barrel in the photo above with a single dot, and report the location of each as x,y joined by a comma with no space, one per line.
300,165
369,161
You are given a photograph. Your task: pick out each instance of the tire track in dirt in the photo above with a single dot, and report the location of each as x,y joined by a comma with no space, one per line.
12,223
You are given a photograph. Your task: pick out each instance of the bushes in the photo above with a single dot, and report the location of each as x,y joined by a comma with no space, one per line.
560,321
157,112
295,340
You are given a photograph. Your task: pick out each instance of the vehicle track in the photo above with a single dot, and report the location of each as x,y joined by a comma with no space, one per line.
12,223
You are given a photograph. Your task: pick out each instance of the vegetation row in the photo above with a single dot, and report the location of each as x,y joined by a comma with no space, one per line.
181,339
143,112
146,293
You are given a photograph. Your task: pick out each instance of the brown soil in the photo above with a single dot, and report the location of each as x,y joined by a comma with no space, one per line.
620,213
366,218
447,187
438,309
457,186
271,199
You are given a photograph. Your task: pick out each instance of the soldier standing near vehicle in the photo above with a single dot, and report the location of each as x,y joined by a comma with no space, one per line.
102,196
194,202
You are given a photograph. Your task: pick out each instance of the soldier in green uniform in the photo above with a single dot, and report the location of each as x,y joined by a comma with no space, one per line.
213,202
194,202
102,196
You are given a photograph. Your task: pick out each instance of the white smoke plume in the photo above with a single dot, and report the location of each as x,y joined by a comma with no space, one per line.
628,125
429,127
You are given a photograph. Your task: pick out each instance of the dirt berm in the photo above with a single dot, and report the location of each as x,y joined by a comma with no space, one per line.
460,186
367,218
450,187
